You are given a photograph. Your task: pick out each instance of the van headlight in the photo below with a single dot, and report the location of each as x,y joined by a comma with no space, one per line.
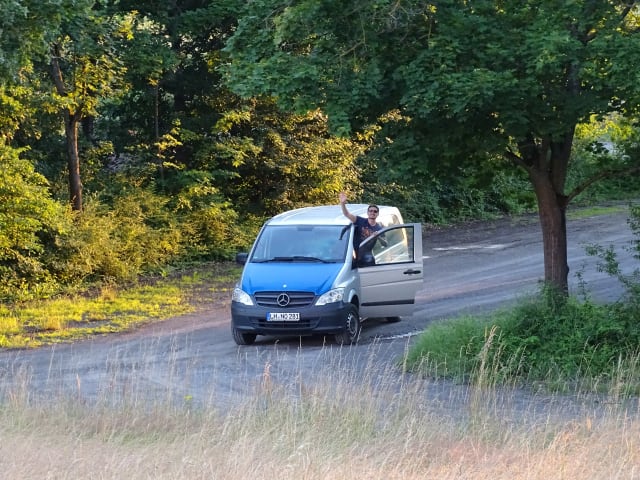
332,296
241,296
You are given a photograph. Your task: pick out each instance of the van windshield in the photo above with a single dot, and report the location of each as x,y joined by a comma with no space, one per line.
301,243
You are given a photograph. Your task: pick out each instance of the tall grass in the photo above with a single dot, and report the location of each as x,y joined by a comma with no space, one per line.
350,421
561,347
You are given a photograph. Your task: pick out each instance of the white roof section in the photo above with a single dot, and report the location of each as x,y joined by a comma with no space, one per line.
332,215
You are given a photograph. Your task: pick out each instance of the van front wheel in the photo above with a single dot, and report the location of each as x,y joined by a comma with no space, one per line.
243,338
351,330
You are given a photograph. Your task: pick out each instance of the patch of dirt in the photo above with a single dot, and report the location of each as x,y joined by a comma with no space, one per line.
480,230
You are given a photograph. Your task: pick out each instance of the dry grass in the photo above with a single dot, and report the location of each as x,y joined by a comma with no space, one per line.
340,425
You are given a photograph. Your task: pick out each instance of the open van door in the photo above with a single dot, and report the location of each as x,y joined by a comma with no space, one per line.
391,271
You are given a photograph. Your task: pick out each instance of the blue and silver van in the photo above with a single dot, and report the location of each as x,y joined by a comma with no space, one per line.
303,277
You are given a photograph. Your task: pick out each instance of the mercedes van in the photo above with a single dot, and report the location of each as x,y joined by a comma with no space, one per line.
305,275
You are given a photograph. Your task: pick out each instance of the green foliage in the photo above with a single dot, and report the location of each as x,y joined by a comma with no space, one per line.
569,339
86,49
144,232
279,161
120,243
24,25
465,83
600,146
469,76
253,156
610,264
634,224
211,225
138,231
537,341
403,168
29,219
449,349
178,168
130,232
447,197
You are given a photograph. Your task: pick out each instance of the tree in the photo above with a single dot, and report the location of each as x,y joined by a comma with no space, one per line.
279,161
175,94
474,79
73,44
85,69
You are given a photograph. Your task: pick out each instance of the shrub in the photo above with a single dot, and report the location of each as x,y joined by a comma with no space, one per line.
117,244
29,218
537,341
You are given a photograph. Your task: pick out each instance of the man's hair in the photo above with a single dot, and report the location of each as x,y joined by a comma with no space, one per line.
373,206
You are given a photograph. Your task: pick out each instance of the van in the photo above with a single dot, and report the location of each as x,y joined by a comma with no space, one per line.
305,276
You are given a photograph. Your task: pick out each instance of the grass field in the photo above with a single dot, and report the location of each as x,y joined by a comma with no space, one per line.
336,427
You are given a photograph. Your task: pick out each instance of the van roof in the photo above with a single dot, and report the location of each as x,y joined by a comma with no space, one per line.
332,215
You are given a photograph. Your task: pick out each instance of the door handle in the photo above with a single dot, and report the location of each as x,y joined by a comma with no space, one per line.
411,271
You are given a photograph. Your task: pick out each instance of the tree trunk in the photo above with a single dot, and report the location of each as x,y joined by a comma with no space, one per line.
73,160
547,161
71,121
553,223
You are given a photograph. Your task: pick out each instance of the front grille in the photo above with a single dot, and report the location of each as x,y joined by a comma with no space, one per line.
296,299
304,324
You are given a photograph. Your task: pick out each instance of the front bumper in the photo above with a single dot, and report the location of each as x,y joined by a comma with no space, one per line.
325,320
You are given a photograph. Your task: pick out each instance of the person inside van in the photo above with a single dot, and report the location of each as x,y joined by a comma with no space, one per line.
365,227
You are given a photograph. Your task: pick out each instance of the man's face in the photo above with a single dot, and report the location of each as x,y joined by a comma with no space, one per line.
372,213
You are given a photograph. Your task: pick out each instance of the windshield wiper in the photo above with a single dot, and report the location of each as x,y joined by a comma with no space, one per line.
302,258
274,259
295,258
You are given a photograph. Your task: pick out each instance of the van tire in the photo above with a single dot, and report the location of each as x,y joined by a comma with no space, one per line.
351,330
243,338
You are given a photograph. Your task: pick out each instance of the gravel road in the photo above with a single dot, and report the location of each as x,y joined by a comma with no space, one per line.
469,268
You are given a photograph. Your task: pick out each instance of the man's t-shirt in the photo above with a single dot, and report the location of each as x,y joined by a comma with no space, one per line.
364,230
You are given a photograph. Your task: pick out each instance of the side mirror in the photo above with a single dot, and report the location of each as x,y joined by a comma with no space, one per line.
241,258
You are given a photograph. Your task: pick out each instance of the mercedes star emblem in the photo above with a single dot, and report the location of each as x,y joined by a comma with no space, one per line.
283,300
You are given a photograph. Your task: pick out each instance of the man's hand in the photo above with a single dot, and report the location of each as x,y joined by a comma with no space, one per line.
345,212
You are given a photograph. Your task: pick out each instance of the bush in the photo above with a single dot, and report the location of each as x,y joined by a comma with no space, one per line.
537,341
212,227
143,233
135,236
29,218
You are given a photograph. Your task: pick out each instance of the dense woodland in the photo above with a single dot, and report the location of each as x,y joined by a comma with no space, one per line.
140,136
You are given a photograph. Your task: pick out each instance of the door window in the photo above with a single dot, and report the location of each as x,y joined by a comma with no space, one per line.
393,245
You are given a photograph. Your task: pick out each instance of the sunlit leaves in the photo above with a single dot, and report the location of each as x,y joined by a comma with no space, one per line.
27,217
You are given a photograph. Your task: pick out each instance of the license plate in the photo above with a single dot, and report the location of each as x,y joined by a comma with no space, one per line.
283,317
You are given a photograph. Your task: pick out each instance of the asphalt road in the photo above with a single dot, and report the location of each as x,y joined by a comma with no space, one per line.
193,359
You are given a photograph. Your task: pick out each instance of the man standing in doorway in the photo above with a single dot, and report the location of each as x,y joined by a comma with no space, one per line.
365,227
